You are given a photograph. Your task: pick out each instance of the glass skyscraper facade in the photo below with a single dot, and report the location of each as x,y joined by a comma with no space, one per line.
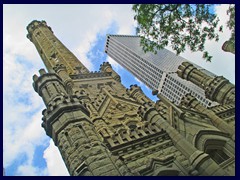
157,71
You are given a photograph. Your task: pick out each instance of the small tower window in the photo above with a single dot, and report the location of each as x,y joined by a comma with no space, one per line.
217,155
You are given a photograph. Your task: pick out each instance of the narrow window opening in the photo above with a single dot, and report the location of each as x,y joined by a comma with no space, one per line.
68,138
217,155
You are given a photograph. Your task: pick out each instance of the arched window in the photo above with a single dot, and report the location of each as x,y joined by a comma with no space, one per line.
216,144
218,155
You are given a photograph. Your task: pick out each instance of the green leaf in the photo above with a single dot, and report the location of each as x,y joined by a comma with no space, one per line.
179,25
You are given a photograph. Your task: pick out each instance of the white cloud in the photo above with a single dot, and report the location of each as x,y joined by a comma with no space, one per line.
54,159
99,22
21,139
29,170
124,16
21,104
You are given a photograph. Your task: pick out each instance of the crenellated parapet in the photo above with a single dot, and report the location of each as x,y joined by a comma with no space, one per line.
48,86
106,67
220,90
52,90
34,25
54,116
226,112
216,89
136,92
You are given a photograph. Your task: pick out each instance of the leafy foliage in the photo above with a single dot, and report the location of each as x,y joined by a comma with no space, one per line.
179,24
231,21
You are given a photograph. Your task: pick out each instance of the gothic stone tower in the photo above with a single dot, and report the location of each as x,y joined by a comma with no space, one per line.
102,128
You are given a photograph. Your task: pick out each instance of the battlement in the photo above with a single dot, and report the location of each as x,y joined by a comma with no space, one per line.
104,66
34,25
39,81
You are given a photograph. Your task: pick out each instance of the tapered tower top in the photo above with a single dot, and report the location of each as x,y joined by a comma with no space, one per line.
35,24
51,50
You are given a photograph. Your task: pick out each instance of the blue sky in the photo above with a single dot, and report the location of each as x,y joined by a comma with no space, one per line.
82,28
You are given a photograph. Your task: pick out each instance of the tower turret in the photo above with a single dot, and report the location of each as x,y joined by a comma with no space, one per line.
48,86
66,120
229,46
106,67
51,50
216,89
